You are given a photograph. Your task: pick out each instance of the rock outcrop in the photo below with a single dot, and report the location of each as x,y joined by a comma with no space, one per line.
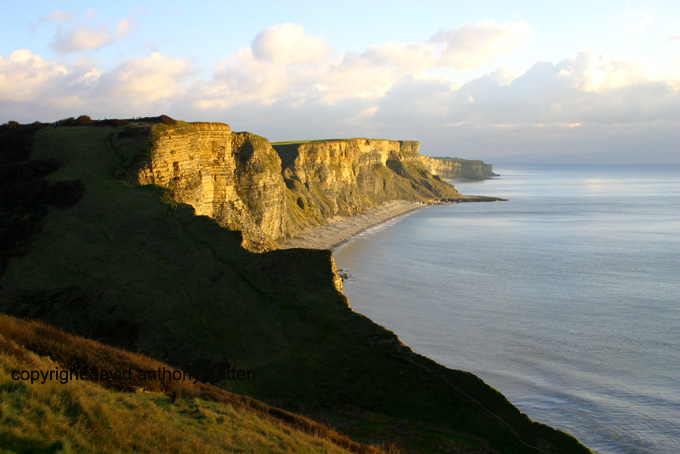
233,178
272,193
454,168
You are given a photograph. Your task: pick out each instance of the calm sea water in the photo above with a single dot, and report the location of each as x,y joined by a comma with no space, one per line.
566,298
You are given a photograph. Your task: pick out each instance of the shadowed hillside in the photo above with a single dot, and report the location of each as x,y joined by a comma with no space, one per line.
130,266
132,410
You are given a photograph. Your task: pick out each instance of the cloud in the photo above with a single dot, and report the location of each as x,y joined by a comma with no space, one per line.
31,85
81,38
465,47
407,57
143,81
289,43
57,15
278,72
25,77
285,61
474,45
86,36
551,107
353,76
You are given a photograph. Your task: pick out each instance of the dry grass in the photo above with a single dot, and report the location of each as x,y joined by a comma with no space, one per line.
27,343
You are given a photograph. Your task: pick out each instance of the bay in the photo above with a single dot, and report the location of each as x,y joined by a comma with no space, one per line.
565,298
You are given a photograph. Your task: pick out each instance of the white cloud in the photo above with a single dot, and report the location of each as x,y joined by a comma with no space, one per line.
33,86
272,76
408,57
474,45
465,47
353,76
26,77
123,27
582,90
599,74
284,59
142,81
289,43
81,38
86,36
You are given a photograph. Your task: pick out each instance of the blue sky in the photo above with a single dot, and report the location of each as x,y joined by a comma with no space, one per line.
584,80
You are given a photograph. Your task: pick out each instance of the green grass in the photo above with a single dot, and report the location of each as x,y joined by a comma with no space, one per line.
130,266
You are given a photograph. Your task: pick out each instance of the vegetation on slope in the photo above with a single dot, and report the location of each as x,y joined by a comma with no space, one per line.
130,266
60,412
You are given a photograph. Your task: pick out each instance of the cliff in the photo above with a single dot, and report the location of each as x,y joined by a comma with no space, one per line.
344,177
272,193
233,178
454,168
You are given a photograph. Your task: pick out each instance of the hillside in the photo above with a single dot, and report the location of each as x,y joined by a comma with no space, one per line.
47,409
99,255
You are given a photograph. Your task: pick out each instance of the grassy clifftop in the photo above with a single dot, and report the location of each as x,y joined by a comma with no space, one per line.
132,267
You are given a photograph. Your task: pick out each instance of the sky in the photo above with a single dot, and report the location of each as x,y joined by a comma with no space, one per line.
532,81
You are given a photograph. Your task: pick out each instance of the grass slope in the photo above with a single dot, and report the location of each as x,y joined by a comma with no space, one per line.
55,414
127,265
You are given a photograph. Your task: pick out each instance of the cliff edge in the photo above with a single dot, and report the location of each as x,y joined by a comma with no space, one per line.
271,193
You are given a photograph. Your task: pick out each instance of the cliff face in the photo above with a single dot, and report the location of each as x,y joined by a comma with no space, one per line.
344,177
272,193
458,168
233,178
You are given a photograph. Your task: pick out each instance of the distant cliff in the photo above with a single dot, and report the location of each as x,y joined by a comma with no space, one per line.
455,168
346,176
272,193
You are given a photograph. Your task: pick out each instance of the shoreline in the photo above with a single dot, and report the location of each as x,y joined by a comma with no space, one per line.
342,228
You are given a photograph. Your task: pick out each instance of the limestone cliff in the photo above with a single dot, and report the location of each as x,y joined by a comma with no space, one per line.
233,178
344,177
272,193
455,168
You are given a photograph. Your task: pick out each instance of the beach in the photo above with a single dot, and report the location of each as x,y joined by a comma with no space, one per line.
340,228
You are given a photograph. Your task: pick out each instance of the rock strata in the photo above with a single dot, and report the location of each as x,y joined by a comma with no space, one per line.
233,178
272,193
344,177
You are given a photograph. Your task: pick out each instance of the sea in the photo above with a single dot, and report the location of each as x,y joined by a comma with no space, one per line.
565,297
